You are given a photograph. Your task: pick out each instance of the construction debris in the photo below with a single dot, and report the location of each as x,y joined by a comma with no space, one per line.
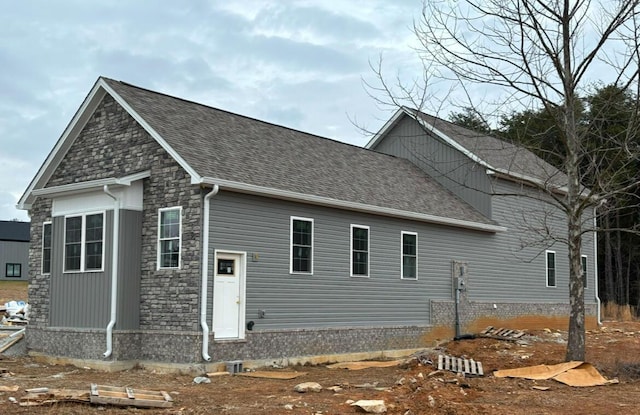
98,394
364,364
268,374
125,396
460,365
7,341
501,333
371,406
578,374
14,313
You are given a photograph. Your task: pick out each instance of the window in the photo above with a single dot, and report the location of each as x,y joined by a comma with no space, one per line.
83,243
551,268
301,245
359,251
14,270
169,237
584,270
46,248
409,262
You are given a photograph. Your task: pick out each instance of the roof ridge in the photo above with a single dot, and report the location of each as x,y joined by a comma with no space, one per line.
188,101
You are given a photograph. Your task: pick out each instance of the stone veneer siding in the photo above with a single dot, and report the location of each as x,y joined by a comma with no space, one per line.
443,311
113,144
39,283
185,347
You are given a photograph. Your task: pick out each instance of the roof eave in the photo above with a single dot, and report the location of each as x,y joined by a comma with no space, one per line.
90,186
352,206
73,129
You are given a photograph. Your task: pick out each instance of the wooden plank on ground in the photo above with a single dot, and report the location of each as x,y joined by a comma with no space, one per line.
127,396
459,365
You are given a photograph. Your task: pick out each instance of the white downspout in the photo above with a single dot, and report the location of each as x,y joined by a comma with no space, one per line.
595,262
205,273
114,270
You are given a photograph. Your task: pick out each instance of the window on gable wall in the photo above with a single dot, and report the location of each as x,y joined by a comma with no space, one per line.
584,270
14,270
359,251
83,243
301,245
551,268
169,237
409,262
46,248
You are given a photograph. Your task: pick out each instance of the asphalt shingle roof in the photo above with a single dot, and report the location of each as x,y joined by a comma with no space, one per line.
14,231
497,153
223,145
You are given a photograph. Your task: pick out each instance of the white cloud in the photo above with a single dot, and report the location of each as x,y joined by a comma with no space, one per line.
296,63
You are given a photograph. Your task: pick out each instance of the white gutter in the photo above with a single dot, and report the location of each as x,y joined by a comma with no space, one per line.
114,270
205,273
353,206
595,263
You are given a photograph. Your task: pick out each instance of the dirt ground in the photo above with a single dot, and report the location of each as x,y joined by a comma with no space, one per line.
614,349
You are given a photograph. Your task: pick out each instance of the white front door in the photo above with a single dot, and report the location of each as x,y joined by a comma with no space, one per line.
228,295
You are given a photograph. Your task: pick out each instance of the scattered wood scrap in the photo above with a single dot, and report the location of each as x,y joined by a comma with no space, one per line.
460,365
9,341
364,364
125,396
269,374
502,333
98,394
46,396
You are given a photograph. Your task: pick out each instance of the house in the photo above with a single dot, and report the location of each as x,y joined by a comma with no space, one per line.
186,234
14,250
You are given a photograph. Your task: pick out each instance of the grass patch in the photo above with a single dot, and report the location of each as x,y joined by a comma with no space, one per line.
13,285
13,290
613,311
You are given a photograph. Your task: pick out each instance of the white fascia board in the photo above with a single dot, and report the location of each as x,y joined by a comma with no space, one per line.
195,177
63,144
453,143
89,186
353,206
385,128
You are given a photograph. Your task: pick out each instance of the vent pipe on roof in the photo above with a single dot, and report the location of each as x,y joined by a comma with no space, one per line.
205,273
114,270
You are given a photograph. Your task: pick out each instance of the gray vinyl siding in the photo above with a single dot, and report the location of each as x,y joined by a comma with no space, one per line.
129,266
446,165
80,299
331,298
14,252
515,268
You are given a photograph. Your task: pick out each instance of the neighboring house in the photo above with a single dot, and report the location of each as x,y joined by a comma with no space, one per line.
14,251
311,246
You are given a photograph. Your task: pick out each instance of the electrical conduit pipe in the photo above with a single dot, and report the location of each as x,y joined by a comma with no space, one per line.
114,270
205,272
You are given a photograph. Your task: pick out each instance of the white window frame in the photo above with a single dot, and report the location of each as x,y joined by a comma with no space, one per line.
160,239
44,225
368,274
584,261
300,218
555,268
402,234
83,242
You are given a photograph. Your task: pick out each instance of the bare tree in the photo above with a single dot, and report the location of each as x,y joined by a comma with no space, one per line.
541,55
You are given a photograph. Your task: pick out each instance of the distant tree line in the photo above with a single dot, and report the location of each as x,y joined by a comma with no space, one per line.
606,114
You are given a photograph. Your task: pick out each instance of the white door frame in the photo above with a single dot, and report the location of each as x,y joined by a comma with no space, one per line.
242,274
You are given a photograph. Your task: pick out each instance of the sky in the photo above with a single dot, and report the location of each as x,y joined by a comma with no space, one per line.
301,64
